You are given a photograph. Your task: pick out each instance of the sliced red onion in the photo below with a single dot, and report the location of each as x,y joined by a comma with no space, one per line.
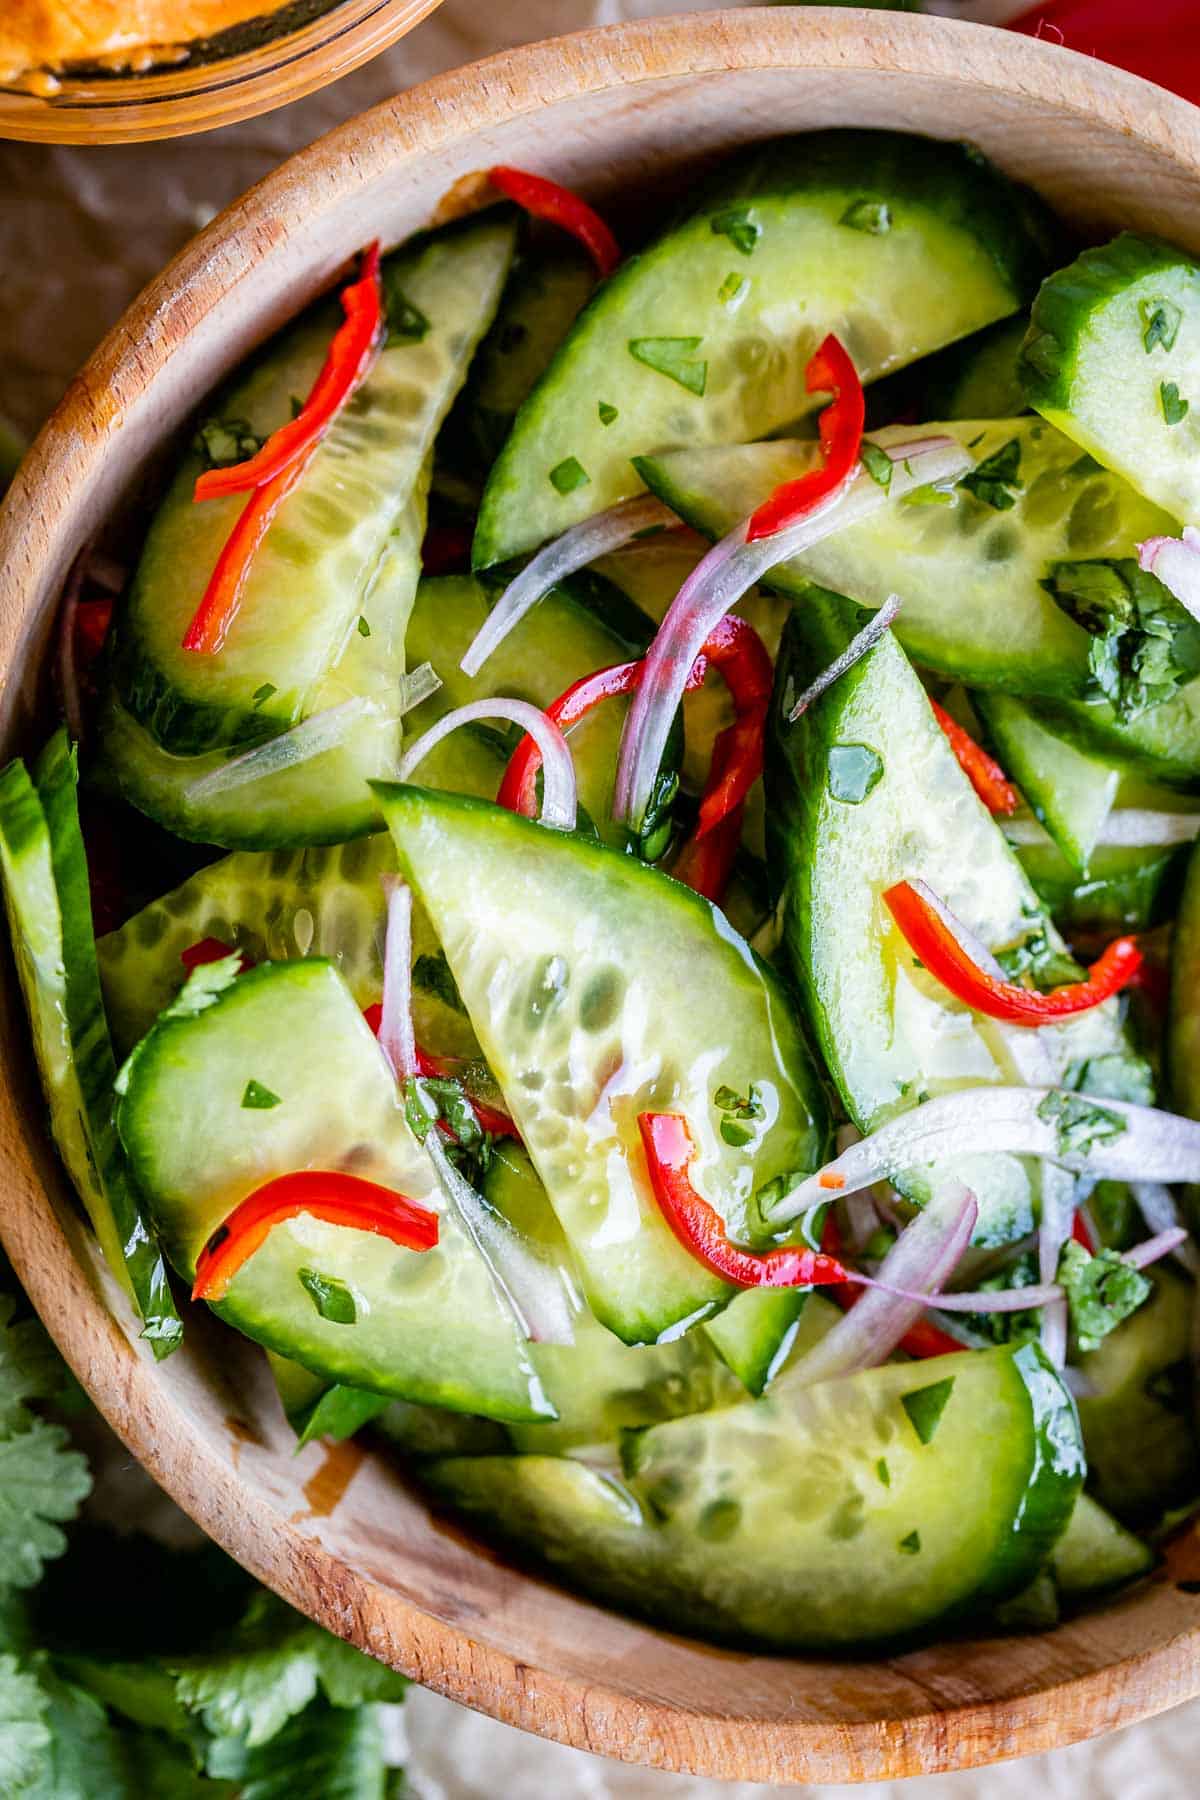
68,668
575,549
719,581
1151,1145
1158,1207
396,1038
1126,828
532,1288
1176,562
855,650
559,794
1058,1213
1165,1243
922,1259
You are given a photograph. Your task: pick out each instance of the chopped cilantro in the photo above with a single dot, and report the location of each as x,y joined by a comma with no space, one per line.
853,770
1079,1123
928,494
673,357
737,1110
996,481
1161,320
607,413
883,1472
732,288
874,216
1008,1327
364,630
258,1098
263,693
911,1544
220,443
1174,406
926,1405
406,323
736,224
1144,643
24,1733
431,975
568,475
1101,1291
331,1297
878,464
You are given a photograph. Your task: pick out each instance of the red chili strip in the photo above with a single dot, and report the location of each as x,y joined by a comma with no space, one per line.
491,1119
981,770
329,1195
222,598
559,206
1081,1234
923,1338
829,371
347,362
735,649
92,620
700,1228
931,939
210,950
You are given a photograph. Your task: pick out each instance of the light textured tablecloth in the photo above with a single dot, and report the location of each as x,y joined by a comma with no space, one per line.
80,232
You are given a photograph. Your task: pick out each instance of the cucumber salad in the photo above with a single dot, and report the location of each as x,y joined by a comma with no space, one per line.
616,888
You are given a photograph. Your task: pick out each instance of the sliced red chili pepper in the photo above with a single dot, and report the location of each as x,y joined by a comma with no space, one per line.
326,1194
981,770
210,950
829,371
705,864
931,939
559,206
282,461
1081,1234
349,357
700,1228
735,649
92,620
518,790
491,1119
923,1338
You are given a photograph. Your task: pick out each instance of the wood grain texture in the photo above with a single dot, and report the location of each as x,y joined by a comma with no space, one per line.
339,1534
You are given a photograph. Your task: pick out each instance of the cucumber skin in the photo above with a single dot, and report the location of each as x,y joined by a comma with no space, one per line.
1124,892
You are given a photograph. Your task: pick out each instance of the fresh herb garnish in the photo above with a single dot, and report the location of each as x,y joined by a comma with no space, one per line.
1008,1327
364,630
1144,643
258,1098
996,481
432,975
911,1544
673,357
852,771
874,216
925,1407
883,1472
737,1110
1079,1123
1101,1291
736,224
263,693
1174,406
331,1297
222,442
607,413
877,463
1161,320
732,288
1035,955
928,494
568,475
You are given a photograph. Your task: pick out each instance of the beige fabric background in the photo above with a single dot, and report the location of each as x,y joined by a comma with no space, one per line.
80,232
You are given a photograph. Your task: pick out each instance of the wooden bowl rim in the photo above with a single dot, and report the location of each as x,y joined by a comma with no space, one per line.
68,460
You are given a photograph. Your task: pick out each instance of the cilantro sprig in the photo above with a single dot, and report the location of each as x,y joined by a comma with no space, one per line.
1144,644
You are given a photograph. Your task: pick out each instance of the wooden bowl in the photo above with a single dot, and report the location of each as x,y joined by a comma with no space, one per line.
337,1531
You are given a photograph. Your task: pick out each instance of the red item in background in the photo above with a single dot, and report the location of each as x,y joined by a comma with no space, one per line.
1161,42
559,206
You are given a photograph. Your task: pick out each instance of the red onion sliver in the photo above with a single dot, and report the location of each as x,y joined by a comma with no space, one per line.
1176,562
719,581
1157,1205
921,1260
855,650
1150,1145
396,1038
1058,1212
559,793
1126,827
575,549
1142,1255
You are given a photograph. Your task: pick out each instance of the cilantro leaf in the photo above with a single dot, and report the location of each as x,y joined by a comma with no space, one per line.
24,1734
324,1752
877,463
30,1368
1174,407
925,1406
1008,1327
1161,319
331,1297
42,1484
220,443
1144,643
674,358
1101,1291
1079,1124
997,479
737,224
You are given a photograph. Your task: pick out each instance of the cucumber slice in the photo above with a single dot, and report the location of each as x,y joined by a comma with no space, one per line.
1162,743
543,297
324,800
431,1327
772,1523
970,575
1113,354
1096,1553
1072,794
897,244
1126,889
978,379
584,973
1138,1428
864,791
312,576
50,920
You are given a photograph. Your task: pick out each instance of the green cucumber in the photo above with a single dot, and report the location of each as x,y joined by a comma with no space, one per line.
897,244
324,800
1183,1024
582,971
543,297
1126,889
50,920
813,1519
1096,1554
977,379
1113,359
430,1326
1072,794
969,574
312,576
1138,1426
864,791
1162,743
